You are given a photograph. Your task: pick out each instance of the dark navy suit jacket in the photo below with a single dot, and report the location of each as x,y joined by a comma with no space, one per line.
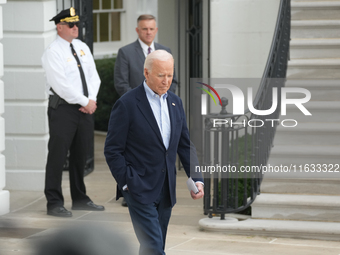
129,67
134,148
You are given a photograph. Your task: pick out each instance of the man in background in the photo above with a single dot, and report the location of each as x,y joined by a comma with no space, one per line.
128,72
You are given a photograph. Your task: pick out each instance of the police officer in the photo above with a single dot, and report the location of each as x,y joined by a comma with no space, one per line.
73,84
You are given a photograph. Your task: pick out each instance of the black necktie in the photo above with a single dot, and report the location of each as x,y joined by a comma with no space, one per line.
82,76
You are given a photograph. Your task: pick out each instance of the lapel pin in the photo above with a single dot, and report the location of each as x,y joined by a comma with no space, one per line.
173,104
82,53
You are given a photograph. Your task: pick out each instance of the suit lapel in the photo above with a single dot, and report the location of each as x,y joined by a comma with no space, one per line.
145,108
139,51
172,114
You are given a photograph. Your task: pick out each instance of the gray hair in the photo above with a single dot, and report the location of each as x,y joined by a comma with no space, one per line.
161,55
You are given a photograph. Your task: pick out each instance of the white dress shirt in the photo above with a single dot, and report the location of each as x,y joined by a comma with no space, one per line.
62,72
146,47
160,110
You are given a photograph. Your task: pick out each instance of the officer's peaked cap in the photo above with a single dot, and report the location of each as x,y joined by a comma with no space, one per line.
68,15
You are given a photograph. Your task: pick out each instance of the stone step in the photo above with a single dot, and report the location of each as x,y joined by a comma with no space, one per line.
329,231
323,112
313,74
304,154
315,0
309,10
296,207
314,68
320,89
315,48
315,28
309,133
301,186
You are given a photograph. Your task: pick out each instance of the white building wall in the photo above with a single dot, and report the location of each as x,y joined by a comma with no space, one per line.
27,32
4,194
241,35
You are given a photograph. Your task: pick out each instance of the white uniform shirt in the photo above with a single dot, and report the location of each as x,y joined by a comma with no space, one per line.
62,72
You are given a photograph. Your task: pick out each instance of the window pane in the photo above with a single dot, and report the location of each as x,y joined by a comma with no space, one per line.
115,26
95,28
104,23
118,4
95,4
106,4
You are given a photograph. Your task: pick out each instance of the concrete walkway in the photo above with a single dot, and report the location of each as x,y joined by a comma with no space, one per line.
27,223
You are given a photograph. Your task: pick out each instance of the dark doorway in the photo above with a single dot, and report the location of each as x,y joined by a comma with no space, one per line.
195,35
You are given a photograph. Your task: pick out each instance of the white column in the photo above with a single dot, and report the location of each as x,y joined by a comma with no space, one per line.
27,32
4,194
241,35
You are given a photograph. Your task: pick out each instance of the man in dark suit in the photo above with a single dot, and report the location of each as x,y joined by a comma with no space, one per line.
129,65
128,72
147,128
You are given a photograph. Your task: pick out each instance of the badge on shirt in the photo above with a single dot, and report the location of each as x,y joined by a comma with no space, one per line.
82,53
68,60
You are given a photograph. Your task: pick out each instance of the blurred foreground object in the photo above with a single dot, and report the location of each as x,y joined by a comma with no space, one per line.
84,240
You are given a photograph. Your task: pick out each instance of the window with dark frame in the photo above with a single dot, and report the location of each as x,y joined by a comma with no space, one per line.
106,20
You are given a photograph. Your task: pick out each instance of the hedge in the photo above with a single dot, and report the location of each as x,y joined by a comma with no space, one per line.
107,94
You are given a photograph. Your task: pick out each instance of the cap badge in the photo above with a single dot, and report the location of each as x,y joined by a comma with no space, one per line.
72,12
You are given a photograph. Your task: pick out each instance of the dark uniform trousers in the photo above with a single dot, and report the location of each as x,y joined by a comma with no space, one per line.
70,130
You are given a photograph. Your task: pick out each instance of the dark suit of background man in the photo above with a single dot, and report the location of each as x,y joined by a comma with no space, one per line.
129,66
147,129
73,84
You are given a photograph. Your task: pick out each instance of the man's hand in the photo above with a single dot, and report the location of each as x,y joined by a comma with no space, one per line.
200,193
90,108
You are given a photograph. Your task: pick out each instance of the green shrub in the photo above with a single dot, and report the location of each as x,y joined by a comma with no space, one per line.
244,159
107,94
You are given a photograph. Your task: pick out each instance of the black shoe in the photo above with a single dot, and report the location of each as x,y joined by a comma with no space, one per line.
59,212
89,206
124,203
